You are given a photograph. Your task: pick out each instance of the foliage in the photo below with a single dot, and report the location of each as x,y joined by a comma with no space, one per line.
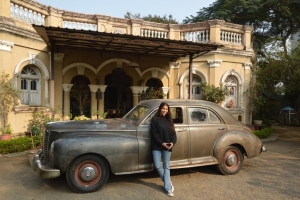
264,133
82,117
39,119
152,18
17,145
8,98
273,20
6,130
81,93
102,115
212,93
154,93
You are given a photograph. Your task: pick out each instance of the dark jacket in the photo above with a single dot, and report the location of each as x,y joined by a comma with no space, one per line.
160,133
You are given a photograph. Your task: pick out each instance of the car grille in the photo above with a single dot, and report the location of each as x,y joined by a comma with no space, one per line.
46,146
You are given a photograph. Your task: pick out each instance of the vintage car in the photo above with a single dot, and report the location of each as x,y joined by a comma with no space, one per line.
87,151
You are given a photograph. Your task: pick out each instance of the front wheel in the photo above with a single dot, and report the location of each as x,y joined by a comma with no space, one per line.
87,174
231,162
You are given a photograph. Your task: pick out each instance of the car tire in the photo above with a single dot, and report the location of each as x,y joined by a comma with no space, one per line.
231,161
87,173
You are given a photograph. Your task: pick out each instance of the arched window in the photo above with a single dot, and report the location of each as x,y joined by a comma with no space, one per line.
196,87
30,86
231,84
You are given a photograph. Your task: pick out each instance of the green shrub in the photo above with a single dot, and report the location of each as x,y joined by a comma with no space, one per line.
18,144
264,133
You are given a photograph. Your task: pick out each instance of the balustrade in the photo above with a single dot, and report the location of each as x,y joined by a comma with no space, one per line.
80,26
154,33
231,37
27,15
196,36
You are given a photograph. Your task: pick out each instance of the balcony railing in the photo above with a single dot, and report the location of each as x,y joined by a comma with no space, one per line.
195,36
80,26
26,14
232,35
154,33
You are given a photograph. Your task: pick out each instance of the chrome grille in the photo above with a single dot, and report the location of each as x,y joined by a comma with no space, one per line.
46,146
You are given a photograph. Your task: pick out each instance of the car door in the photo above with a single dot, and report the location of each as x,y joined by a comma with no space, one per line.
180,151
205,126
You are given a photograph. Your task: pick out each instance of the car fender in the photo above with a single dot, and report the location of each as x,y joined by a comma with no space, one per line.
250,143
121,153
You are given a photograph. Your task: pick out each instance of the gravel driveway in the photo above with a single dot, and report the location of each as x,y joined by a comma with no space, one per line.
272,175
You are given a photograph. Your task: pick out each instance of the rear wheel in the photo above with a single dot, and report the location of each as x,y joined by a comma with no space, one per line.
87,173
231,161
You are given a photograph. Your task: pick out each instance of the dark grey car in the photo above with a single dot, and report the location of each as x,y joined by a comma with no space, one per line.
88,150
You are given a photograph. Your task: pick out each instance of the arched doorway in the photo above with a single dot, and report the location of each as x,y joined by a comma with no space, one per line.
118,96
154,90
80,97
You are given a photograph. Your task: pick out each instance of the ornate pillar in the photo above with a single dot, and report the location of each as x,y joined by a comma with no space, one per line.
135,93
247,76
94,110
67,89
165,90
101,101
213,78
58,63
174,69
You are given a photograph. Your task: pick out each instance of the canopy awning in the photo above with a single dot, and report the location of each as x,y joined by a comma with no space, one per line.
121,43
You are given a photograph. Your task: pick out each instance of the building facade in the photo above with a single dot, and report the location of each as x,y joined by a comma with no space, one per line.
123,76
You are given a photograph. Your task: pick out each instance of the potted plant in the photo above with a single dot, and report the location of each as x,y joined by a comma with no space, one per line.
6,132
257,114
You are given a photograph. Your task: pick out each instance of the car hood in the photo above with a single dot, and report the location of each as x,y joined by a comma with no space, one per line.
91,125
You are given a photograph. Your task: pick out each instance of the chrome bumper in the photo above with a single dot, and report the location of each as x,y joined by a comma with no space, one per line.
263,148
43,170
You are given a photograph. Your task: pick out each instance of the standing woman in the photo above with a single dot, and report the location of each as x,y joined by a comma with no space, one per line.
163,139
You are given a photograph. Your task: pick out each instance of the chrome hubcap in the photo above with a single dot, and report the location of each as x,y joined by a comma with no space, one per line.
88,173
231,159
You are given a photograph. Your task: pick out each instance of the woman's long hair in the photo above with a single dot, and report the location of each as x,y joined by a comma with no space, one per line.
168,116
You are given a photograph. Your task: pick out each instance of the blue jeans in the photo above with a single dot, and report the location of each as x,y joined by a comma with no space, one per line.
163,169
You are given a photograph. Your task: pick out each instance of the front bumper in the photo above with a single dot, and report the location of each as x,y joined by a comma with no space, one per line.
43,170
263,148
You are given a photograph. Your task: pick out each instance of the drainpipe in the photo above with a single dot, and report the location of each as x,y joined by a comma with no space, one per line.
191,75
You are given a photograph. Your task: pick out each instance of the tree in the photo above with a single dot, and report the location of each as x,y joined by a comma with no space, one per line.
212,93
81,93
274,21
8,98
152,18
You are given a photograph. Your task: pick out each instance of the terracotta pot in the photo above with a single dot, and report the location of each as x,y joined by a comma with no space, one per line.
257,122
6,137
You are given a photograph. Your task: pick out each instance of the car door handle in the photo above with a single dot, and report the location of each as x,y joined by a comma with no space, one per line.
181,130
221,128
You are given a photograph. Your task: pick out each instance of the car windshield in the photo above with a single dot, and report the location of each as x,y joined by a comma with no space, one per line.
137,113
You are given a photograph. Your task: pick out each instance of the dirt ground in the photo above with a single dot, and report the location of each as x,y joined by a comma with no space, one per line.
272,175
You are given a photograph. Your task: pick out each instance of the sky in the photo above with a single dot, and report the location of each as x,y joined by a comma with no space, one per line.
177,8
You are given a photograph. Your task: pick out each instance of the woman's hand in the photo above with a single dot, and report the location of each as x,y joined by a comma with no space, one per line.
168,145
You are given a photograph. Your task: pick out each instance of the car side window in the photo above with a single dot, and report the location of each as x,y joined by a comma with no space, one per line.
213,118
198,115
176,116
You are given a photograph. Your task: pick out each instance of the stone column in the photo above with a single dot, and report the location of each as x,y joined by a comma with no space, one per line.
58,63
94,110
247,37
174,68
135,93
213,78
165,90
247,76
101,101
67,89
215,30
